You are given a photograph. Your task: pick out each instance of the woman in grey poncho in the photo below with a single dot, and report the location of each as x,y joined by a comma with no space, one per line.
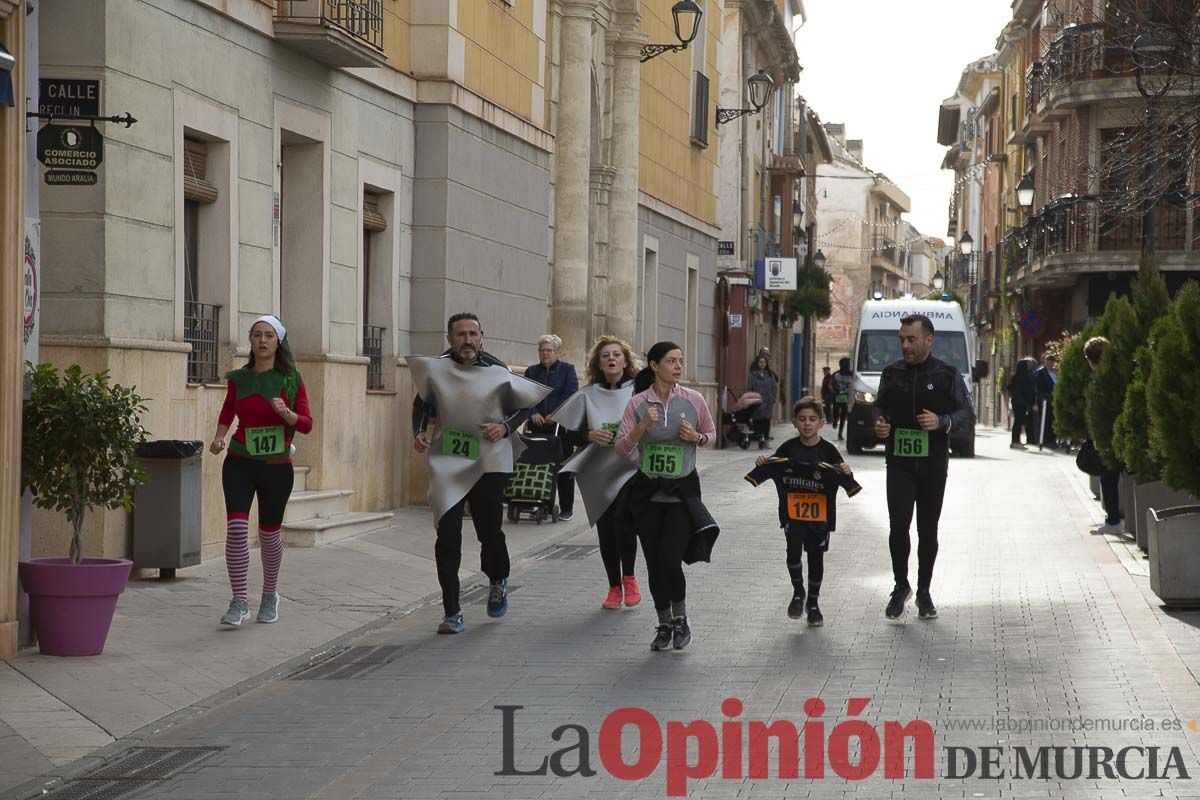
592,416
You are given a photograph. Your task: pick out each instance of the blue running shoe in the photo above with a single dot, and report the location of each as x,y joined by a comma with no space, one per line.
452,624
497,605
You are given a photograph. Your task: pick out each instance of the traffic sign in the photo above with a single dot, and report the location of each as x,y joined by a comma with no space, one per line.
1032,325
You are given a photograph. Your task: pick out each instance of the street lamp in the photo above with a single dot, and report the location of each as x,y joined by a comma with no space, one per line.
966,244
819,260
687,25
758,85
1025,193
938,280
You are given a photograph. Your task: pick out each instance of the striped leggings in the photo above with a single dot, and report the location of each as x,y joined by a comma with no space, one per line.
242,480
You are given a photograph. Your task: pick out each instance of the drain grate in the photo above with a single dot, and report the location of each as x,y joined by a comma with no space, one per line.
479,594
141,768
350,664
567,552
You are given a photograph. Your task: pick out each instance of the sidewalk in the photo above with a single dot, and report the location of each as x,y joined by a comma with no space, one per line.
166,652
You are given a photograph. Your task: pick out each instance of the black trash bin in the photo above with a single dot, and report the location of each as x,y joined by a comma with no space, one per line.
166,508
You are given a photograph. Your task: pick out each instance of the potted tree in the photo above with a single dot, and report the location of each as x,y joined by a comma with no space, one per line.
1134,338
78,453
1174,535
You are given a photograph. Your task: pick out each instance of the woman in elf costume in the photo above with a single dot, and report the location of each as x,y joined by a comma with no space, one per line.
267,396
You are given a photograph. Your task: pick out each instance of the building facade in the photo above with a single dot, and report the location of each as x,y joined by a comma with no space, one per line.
863,238
366,169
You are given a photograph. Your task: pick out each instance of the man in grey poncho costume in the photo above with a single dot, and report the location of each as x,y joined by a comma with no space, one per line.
474,403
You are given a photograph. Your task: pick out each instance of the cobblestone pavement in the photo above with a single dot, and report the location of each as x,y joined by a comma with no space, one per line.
1042,625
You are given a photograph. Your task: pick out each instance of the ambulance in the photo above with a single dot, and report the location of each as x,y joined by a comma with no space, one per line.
877,344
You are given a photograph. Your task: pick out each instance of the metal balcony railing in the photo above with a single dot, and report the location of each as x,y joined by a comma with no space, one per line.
886,248
201,328
362,19
373,349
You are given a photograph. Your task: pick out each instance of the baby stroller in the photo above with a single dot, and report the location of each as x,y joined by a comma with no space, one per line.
532,488
736,417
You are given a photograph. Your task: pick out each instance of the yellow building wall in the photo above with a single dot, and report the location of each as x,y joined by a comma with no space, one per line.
395,34
503,53
670,167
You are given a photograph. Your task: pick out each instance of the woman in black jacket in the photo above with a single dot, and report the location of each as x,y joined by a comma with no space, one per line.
1023,394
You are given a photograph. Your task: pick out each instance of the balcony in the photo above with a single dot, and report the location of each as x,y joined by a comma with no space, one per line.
1087,63
1083,235
886,255
338,33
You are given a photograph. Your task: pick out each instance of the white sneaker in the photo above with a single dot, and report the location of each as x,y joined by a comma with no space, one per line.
1114,527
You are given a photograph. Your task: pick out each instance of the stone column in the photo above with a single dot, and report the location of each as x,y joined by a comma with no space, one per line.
12,343
569,282
623,209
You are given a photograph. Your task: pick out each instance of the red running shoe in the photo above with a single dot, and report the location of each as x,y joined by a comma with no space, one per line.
614,598
632,595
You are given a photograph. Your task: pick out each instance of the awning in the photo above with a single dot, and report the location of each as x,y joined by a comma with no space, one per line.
7,62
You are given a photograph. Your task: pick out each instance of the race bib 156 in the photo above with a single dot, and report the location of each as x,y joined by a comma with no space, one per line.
909,443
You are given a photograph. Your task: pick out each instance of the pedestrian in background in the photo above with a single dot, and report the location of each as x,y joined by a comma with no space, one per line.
828,391
843,383
1022,393
561,378
268,398
1044,380
765,382
1110,479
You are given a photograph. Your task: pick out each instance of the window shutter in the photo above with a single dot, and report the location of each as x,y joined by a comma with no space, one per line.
372,220
195,173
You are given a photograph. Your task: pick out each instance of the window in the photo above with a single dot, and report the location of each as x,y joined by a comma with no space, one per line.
699,111
692,339
201,320
649,294
374,224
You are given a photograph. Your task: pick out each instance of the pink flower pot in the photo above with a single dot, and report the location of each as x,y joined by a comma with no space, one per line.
72,605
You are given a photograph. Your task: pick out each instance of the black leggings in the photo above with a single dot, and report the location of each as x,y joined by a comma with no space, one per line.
486,499
841,413
243,478
816,564
924,485
664,529
1110,496
1022,418
618,542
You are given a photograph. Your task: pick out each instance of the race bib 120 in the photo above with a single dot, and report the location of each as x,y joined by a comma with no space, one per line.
807,507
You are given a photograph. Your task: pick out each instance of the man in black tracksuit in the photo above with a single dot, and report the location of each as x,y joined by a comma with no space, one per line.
920,400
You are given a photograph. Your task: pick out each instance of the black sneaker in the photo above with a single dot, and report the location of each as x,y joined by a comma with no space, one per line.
796,607
925,607
815,618
662,639
895,606
682,633
565,516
